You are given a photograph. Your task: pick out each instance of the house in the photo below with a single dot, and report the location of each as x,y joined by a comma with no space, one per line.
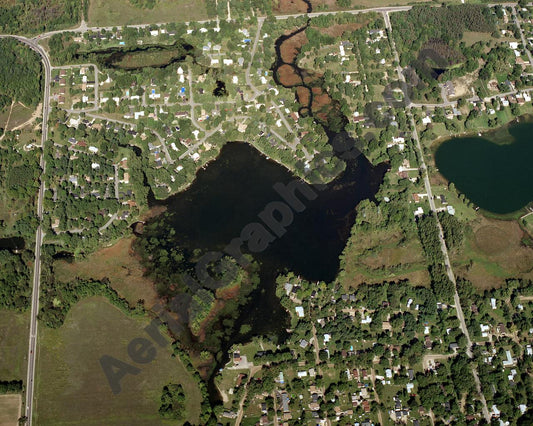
509,361
300,311
237,358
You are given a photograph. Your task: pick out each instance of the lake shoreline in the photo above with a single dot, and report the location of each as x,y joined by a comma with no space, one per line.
491,172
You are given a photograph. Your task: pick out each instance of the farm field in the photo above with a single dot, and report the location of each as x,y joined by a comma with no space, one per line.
71,387
10,406
14,331
121,12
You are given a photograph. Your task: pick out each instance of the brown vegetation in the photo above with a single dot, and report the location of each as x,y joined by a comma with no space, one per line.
290,48
288,76
289,6
339,29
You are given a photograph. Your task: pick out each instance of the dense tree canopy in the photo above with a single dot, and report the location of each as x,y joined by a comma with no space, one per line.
25,84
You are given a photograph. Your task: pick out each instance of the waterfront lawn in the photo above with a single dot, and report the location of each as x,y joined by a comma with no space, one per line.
71,387
528,223
121,12
14,331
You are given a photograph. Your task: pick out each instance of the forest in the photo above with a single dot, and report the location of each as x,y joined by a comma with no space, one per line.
24,85
421,24
36,16
429,237
15,287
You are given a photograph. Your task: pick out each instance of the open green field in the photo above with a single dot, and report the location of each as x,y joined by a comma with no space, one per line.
121,12
14,331
10,406
383,255
119,265
15,115
71,387
149,58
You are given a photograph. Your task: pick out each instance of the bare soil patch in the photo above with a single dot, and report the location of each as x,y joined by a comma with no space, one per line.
463,84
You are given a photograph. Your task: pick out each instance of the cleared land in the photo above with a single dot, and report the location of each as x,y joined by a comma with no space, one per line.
71,387
14,331
117,263
494,252
17,116
121,12
377,256
10,406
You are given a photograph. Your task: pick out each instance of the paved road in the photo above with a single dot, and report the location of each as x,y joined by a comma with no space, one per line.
32,344
256,91
524,42
444,249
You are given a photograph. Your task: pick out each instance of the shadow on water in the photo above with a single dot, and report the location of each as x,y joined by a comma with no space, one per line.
13,244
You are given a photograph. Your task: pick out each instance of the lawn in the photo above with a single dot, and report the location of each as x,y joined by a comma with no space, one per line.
472,37
14,332
10,406
71,387
121,12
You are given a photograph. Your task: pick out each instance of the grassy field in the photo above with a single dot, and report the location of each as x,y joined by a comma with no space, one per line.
493,252
116,263
14,331
377,256
121,12
10,406
71,387
149,59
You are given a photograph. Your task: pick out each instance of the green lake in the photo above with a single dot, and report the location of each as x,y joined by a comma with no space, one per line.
494,171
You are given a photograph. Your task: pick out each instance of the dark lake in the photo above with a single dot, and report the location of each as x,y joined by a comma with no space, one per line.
231,192
494,171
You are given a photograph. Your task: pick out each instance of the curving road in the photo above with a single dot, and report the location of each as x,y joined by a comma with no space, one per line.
32,346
